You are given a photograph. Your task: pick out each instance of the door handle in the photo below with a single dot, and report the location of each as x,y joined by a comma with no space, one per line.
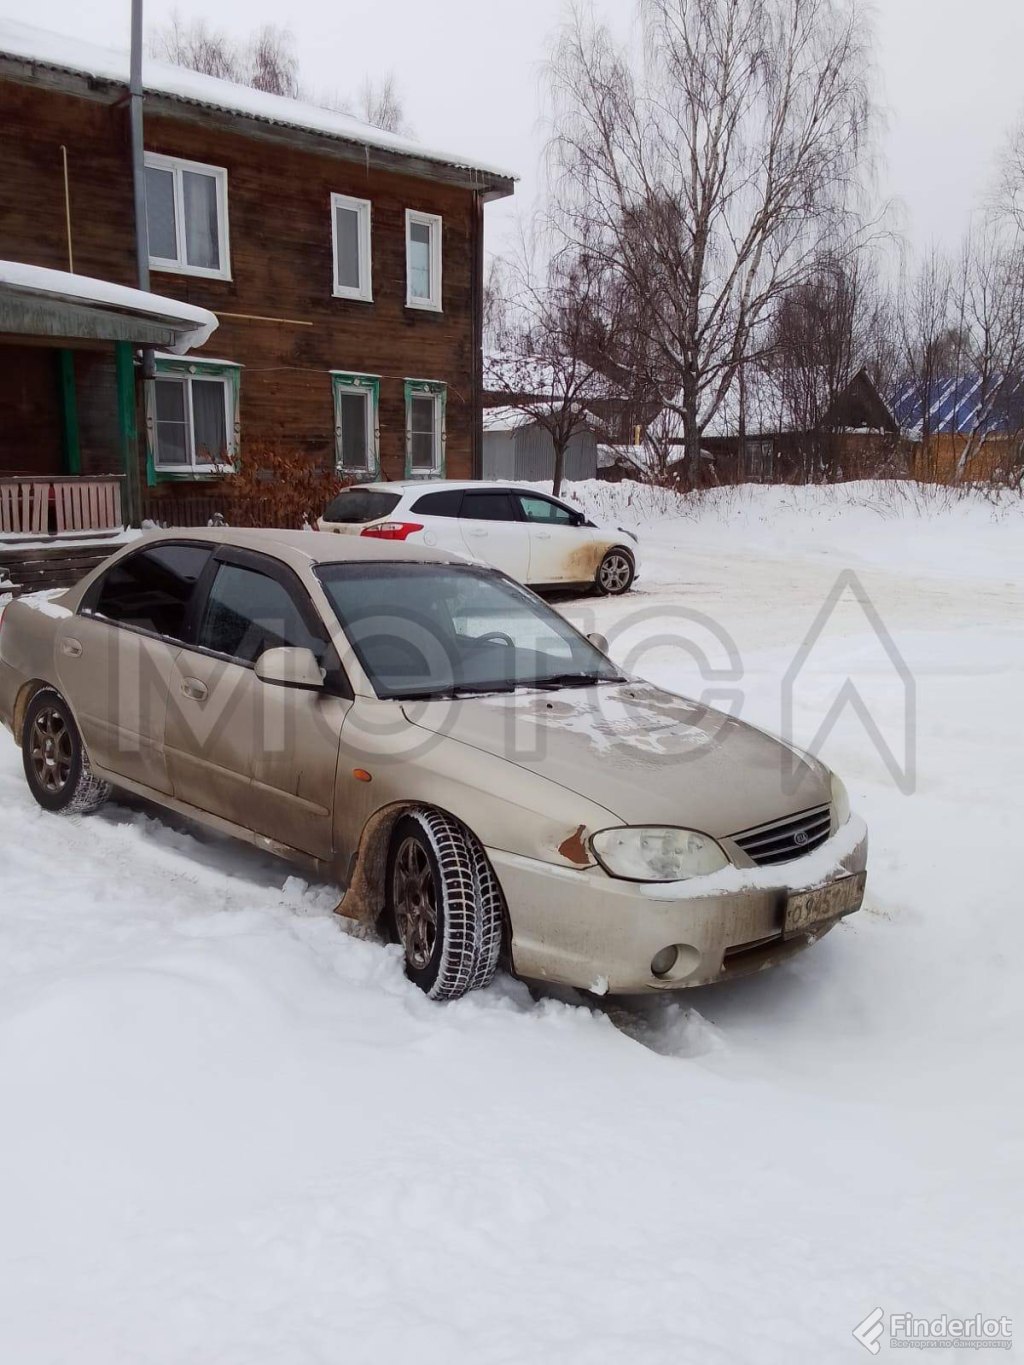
194,689
543,535
477,533
71,647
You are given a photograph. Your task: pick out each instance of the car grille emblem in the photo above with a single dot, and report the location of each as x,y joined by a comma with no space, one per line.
789,838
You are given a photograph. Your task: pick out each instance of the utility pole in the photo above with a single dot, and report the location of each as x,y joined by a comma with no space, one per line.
133,491
138,150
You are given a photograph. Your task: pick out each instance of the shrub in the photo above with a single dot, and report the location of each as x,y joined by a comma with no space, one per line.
280,488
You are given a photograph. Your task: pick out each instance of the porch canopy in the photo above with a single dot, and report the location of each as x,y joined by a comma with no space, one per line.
38,302
95,487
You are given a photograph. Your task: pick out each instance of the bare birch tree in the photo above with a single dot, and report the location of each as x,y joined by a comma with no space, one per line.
713,166
197,46
1008,198
547,327
814,345
265,61
989,312
270,62
929,345
380,103
823,333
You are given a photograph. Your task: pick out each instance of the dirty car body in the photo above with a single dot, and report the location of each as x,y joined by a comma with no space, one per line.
539,539
442,742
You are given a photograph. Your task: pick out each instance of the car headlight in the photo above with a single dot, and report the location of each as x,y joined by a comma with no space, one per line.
840,800
644,854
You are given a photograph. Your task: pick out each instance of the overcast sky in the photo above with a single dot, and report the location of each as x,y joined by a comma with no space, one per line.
952,75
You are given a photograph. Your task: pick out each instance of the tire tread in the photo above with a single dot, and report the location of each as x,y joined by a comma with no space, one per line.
473,907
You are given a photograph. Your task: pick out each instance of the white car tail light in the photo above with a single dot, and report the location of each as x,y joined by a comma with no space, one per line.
392,530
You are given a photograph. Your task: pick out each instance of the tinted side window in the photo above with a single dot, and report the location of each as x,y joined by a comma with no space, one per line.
444,504
488,507
152,589
361,504
248,612
540,509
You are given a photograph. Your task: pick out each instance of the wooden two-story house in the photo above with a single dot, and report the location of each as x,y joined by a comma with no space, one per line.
344,266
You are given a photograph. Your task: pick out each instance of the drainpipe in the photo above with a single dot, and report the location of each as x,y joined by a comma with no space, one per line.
132,479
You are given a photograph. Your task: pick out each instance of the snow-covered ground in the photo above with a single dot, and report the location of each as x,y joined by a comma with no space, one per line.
231,1133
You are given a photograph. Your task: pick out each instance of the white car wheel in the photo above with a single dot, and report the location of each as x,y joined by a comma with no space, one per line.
615,573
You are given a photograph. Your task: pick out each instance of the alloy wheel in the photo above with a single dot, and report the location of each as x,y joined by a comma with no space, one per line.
51,750
614,573
415,902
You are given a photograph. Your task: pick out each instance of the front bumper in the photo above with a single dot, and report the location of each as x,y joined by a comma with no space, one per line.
586,929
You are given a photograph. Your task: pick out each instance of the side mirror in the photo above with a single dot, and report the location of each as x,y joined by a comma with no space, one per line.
599,641
290,668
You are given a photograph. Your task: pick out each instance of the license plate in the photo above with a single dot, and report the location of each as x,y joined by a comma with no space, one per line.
805,910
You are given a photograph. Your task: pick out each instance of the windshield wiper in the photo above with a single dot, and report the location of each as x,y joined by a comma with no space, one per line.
572,680
458,690
551,683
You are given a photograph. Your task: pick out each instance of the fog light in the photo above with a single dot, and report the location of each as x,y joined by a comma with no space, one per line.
663,962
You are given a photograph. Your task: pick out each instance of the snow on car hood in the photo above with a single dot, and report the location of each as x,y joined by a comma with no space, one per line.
645,754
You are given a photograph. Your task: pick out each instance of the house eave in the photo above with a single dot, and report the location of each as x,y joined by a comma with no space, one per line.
487,184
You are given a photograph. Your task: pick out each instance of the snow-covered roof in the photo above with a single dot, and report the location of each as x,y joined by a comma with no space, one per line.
504,419
640,457
41,47
191,326
608,456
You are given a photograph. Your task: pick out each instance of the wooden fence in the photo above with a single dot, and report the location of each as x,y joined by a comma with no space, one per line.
60,507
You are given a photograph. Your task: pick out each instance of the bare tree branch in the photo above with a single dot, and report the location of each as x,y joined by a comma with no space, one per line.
711,170
267,61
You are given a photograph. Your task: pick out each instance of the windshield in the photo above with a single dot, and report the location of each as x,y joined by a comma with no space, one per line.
438,630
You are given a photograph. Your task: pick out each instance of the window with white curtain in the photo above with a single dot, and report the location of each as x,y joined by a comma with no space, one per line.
187,217
194,415
422,260
350,227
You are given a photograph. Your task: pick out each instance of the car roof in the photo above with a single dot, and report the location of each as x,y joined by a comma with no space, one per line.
433,485
300,549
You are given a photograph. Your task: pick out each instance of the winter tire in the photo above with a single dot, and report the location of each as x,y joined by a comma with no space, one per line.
56,764
615,573
445,904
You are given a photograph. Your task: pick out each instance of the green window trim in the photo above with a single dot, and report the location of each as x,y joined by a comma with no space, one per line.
348,381
169,367
432,388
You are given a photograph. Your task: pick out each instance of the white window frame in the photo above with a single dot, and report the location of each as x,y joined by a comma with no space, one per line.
180,266
193,465
367,387
363,292
437,393
435,223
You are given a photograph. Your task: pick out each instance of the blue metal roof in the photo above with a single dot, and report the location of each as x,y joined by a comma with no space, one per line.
953,405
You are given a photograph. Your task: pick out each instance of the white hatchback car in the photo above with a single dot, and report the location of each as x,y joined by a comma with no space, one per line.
533,537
